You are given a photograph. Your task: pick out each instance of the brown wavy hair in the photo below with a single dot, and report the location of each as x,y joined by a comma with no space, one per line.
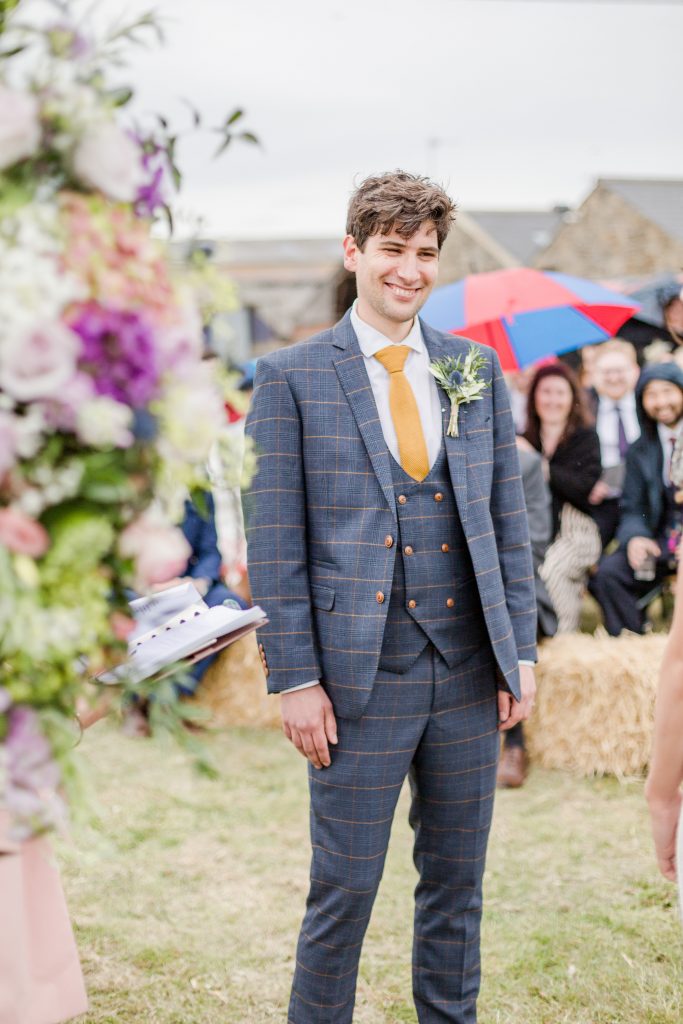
398,201
579,415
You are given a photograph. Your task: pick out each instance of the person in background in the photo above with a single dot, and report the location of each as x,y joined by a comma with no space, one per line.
613,403
650,522
559,428
513,764
663,786
671,303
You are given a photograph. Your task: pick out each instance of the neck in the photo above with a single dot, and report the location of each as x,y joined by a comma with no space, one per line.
393,330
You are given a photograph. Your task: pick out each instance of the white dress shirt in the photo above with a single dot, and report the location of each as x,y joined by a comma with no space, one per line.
607,426
424,388
666,435
421,381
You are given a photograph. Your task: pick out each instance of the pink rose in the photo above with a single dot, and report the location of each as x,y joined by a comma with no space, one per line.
19,127
160,552
107,160
21,534
38,362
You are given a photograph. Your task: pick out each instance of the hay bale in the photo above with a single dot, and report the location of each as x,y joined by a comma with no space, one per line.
595,703
234,689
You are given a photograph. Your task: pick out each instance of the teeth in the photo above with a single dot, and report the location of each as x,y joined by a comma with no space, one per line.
406,293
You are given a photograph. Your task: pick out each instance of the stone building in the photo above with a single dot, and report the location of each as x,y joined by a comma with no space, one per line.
626,227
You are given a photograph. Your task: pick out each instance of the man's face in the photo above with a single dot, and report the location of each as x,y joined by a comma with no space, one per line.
614,375
394,275
663,402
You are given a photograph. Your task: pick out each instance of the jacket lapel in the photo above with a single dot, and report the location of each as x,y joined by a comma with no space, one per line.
353,377
455,446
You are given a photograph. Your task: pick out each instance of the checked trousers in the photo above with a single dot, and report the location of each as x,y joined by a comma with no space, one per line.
438,727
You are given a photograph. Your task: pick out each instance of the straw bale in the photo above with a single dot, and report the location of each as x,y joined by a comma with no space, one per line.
234,689
595,703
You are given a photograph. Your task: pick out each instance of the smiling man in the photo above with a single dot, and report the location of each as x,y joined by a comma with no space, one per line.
649,528
393,561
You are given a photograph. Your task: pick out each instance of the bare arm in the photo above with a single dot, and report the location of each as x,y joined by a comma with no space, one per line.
662,789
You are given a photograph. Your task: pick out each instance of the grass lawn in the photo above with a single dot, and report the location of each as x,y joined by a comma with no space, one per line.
187,900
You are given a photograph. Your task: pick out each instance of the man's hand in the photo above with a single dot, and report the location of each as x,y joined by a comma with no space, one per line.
638,549
664,820
600,491
511,711
308,721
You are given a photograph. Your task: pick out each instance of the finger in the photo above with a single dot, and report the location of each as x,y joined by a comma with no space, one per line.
504,700
309,749
322,750
668,867
513,718
330,725
286,730
297,741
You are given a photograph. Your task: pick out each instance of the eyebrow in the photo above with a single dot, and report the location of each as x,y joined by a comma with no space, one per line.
432,249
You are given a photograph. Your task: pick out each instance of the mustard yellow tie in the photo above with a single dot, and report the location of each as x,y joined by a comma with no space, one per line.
412,447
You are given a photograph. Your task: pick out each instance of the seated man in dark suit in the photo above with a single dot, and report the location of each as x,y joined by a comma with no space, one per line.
613,401
650,524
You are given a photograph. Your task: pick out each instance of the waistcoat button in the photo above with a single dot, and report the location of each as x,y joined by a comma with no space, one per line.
450,602
407,550
412,604
388,541
437,497
402,499
445,548
379,597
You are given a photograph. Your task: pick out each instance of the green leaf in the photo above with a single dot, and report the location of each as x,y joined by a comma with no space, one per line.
235,116
250,137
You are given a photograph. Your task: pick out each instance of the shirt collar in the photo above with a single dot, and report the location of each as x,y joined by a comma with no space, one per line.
372,341
666,433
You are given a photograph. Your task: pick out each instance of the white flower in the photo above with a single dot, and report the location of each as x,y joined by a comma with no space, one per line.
108,161
19,126
192,415
104,423
160,551
38,361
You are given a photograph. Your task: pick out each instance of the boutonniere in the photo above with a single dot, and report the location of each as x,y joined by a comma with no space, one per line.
461,380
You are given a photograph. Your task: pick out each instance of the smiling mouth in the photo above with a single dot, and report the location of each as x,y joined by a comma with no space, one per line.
402,293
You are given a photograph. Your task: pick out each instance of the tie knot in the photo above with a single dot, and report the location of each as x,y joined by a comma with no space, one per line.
393,357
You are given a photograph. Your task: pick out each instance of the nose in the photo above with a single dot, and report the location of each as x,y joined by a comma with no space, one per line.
408,267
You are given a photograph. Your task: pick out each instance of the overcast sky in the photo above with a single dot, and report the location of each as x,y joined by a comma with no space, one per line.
512,104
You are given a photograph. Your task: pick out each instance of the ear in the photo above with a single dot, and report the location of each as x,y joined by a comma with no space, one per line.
351,251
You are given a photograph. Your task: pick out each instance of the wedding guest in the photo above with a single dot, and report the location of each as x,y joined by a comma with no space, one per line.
559,428
513,764
613,403
650,521
663,786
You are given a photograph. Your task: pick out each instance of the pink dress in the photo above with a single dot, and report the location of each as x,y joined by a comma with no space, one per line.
40,974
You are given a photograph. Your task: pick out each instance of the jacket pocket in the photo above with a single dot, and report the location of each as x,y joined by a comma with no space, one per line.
322,597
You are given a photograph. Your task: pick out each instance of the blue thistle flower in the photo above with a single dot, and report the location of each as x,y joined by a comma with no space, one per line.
454,379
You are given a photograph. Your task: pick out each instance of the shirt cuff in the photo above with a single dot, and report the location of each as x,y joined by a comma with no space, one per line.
532,663
301,686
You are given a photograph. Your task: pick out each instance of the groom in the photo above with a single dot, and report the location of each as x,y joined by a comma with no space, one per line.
394,564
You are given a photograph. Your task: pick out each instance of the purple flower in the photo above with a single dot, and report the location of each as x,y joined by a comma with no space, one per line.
119,352
32,794
150,194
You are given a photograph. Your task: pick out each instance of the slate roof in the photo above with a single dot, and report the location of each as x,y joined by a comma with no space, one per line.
658,199
523,233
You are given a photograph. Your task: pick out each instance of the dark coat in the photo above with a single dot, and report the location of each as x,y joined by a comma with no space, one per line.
642,500
200,533
575,468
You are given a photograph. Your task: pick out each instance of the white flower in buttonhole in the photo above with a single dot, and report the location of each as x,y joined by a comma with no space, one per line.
19,126
107,160
105,423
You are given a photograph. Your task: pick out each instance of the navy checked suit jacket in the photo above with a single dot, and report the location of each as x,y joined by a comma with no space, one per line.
322,506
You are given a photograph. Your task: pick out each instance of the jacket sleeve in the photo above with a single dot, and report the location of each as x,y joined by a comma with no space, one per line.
205,562
635,517
510,523
275,520
538,506
575,469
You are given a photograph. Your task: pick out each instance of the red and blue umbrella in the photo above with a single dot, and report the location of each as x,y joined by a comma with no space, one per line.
528,314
